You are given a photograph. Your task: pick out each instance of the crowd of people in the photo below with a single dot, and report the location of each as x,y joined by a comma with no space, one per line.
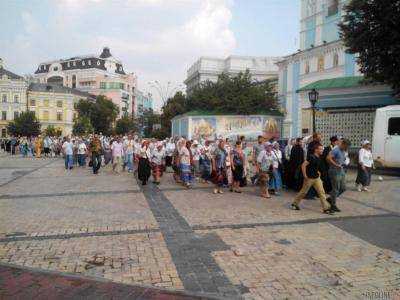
303,164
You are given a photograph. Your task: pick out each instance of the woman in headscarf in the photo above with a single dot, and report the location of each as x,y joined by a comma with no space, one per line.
205,162
219,167
144,168
237,166
275,182
185,159
265,161
158,162
295,162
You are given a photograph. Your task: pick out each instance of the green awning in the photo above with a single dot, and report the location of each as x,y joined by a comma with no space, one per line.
334,83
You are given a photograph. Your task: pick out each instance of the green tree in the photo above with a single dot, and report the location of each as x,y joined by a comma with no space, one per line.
25,124
102,113
148,120
173,106
125,125
82,126
238,95
370,29
50,131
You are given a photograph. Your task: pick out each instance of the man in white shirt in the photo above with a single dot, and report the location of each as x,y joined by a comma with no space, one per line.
81,153
68,153
365,165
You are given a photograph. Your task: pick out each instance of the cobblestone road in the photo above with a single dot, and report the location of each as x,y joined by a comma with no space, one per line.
233,246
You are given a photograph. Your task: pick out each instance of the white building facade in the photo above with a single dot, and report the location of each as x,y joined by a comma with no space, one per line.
209,68
12,97
321,56
96,74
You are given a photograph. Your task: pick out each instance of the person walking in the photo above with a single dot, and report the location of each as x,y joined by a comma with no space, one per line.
257,148
68,150
186,162
311,169
265,163
38,146
96,150
237,165
365,165
129,146
158,162
276,178
82,149
205,162
144,167
219,166
117,149
325,165
295,162
337,162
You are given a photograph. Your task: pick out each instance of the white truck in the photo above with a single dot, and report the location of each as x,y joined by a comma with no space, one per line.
386,136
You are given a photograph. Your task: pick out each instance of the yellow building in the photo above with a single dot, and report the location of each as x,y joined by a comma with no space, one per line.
54,105
12,97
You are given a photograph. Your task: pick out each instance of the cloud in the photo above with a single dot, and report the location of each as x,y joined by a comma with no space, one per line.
156,39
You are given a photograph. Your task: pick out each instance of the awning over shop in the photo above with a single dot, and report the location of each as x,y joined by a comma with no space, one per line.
334,83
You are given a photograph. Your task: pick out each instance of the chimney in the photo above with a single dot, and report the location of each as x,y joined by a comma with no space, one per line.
106,53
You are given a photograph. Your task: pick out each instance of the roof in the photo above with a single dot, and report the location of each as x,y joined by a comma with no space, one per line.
334,83
9,74
54,88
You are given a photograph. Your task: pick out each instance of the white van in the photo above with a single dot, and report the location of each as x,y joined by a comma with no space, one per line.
386,136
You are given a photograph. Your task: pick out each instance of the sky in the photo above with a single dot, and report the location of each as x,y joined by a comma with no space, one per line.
155,39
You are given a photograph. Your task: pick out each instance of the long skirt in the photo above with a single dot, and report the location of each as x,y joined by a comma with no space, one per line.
186,173
157,170
363,177
144,170
219,177
205,166
237,174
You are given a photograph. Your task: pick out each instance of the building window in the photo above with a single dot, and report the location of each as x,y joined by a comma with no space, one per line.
4,98
335,60
103,85
89,62
59,116
16,114
120,68
307,67
98,63
83,62
74,63
321,63
46,103
333,7
59,103
394,126
55,69
16,98
4,115
68,64
32,102
45,115
3,132
73,81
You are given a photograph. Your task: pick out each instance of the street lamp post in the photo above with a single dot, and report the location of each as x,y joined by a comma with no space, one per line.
313,97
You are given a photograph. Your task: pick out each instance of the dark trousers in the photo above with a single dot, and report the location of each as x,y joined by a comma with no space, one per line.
96,162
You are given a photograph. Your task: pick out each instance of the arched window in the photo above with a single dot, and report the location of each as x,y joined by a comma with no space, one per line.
74,81
321,64
333,7
335,60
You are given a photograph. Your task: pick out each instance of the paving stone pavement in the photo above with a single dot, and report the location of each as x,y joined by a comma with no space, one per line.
230,245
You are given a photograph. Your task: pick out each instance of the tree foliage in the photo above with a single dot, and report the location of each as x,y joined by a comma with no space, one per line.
52,131
25,124
370,29
125,125
82,126
102,113
231,95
